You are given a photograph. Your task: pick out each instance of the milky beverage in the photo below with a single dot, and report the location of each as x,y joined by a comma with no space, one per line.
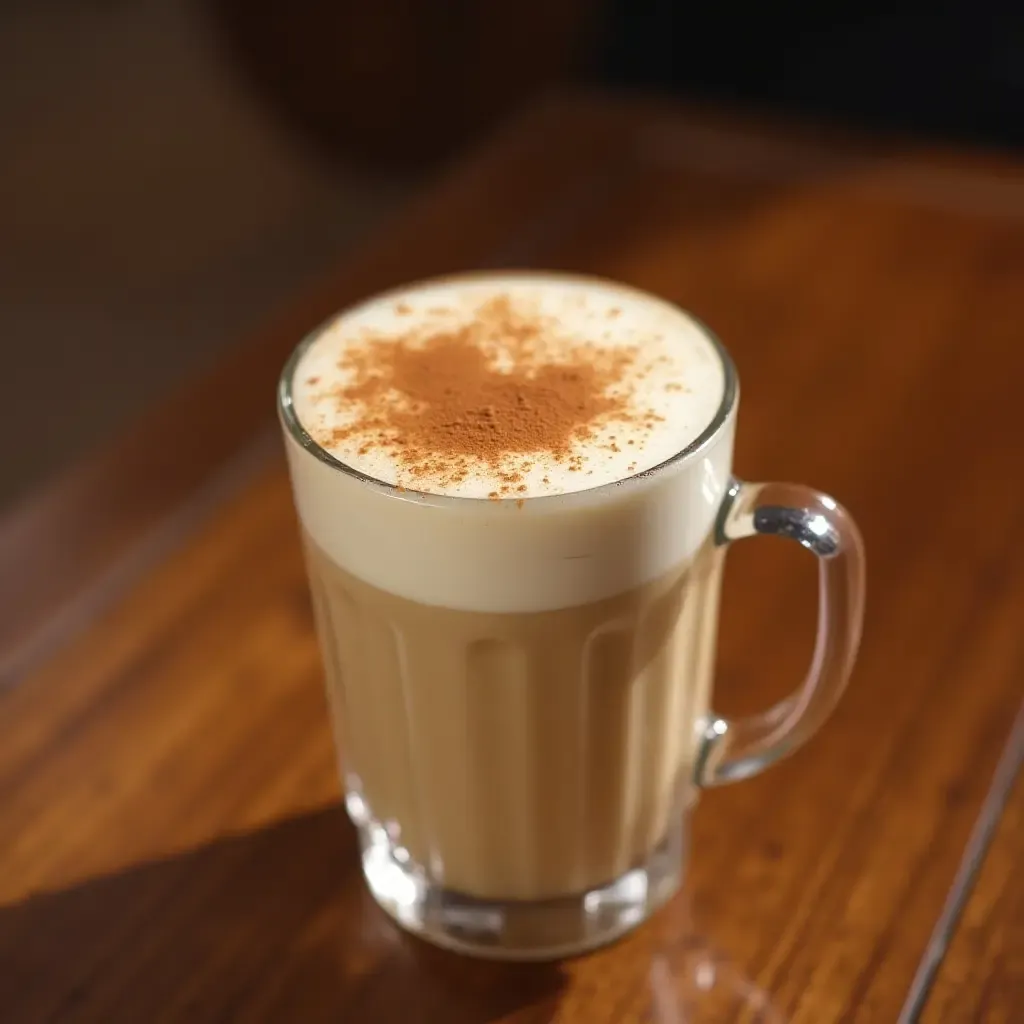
517,619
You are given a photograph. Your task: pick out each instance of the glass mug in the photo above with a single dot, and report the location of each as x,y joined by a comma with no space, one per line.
521,780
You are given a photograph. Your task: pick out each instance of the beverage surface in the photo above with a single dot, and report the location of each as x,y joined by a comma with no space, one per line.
508,386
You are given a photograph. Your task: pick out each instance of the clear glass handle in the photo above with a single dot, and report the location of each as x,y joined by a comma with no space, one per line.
732,750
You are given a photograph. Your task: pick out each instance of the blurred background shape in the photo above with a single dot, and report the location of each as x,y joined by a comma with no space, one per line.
171,171
402,84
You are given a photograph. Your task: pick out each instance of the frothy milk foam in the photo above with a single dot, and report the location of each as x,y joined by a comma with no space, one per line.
673,389
575,523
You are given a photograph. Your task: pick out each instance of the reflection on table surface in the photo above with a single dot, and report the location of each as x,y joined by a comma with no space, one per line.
701,984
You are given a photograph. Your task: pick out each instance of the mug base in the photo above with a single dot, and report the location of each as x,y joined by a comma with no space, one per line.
522,930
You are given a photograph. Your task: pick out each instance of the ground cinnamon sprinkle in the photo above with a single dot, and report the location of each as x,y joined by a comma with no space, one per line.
490,394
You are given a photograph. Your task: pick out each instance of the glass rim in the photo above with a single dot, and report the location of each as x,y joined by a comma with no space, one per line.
298,433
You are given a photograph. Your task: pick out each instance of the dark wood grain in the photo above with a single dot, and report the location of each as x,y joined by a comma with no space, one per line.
981,977
172,844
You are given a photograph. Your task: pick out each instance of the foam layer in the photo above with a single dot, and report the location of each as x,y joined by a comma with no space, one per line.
531,555
640,377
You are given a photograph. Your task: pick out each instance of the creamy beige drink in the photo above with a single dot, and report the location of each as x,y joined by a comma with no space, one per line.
523,755
517,615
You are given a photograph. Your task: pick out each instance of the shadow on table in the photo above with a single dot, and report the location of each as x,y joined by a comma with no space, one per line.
273,925
276,925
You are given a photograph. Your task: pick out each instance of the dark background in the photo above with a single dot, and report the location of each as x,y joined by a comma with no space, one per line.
955,71
431,75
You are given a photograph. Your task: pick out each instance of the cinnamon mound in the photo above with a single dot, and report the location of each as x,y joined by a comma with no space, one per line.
491,394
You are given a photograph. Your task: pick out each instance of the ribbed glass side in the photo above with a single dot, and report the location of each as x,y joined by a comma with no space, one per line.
518,757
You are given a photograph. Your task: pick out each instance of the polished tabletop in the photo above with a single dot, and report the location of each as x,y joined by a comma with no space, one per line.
172,846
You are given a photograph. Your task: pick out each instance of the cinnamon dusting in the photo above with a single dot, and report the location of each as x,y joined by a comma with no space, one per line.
492,393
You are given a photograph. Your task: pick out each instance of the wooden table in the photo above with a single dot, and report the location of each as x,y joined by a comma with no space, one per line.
981,977
171,842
